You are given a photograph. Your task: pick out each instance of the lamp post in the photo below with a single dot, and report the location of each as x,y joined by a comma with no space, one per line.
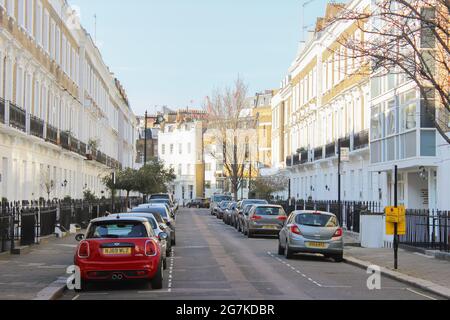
145,139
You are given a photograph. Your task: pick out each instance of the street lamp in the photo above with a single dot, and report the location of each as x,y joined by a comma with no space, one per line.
145,139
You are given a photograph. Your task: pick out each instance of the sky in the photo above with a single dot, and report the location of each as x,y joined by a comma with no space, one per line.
176,52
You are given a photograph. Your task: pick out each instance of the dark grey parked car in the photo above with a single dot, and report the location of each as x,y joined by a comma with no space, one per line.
164,213
312,232
240,208
264,220
221,209
228,212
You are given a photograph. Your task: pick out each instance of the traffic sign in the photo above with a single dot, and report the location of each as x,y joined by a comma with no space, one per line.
395,215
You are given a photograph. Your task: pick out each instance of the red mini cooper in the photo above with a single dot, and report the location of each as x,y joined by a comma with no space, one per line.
119,248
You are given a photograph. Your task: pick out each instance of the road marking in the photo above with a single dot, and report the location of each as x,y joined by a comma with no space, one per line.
76,297
172,258
420,294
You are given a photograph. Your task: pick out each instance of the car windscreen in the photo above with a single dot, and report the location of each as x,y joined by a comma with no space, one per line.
159,196
317,220
269,211
224,204
117,230
158,217
221,198
163,201
247,202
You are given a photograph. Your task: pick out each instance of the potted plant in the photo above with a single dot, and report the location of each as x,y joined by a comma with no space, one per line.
301,150
92,145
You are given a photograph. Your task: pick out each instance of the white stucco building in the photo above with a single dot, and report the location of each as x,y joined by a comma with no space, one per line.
57,95
324,98
180,146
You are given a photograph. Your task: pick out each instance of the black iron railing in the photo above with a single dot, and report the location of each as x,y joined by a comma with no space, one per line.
330,150
318,153
361,140
17,117
64,138
429,229
296,159
36,127
52,134
304,157
2,110
82,150
345,142
289,161
74,145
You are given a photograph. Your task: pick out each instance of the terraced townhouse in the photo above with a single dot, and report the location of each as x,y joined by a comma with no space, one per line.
325,98
65,119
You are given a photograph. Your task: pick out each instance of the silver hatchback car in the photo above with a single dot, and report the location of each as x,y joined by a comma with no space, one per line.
263,219
312,232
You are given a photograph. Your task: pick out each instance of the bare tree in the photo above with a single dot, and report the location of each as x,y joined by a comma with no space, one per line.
47,184
409,38
233,130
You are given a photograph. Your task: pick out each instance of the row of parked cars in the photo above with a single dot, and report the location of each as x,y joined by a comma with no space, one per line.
129,246
301,231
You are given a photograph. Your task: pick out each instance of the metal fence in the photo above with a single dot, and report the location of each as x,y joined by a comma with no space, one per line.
348,216
429,229
24,223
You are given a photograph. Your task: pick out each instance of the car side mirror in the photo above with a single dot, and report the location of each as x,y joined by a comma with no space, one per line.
79,237
163,236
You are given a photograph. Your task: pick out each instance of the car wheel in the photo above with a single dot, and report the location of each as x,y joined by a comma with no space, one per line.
165,264
157,281
338,258
288,252
280,248
174,241
249,234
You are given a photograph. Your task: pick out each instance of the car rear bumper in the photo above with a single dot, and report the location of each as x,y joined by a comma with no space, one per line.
110,271
331,246
269,229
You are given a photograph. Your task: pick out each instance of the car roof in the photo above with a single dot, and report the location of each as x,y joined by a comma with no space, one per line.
258,205
118,217
136,214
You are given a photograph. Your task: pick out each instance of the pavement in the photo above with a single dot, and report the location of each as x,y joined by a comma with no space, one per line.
38,274
421,270
213,261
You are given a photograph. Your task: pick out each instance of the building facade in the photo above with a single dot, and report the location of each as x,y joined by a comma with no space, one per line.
323,101
328,99
180,146
65,120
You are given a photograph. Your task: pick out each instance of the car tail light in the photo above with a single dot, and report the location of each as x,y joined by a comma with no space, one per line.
83,250
150,248
296,230
255,218
282,218
338,233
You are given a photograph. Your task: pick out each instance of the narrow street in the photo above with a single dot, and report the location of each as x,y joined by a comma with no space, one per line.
213,261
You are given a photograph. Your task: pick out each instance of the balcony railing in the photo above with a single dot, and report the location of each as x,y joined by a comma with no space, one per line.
36,127
296,159
74,145
304,157
289,161
361,140
52,134
83,149
17,117
318,153
64,140
345,142
330,150
2,110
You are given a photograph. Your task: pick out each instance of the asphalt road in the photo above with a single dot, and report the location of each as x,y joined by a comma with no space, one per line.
213,261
